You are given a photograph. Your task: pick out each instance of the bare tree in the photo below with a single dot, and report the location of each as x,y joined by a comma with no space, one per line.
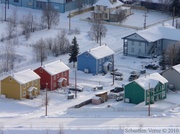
26,25
171,53
40,50
49,42
14,17
62,44
120,15
97,30
10,29
8,56
50,16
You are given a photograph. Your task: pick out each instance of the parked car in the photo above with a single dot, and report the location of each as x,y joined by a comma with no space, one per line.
152,66
133,77
77,88
116,73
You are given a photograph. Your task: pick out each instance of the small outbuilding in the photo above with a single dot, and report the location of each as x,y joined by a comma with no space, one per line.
96,100
103,95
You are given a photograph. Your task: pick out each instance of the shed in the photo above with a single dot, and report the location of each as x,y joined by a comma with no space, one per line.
103,95
96,100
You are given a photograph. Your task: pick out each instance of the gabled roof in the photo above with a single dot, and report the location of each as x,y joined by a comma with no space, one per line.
100,51
177,68
150,81
159,32
25,76
55,67
108,4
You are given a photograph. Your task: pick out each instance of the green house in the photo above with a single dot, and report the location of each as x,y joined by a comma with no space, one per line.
151,88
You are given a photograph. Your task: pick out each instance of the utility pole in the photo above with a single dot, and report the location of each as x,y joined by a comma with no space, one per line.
5,10
46,100
113,70
75,85
145,15
173,16
100,37
69,20
149,101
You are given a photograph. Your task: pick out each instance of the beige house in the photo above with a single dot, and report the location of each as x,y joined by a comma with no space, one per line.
173,76
24,84
108,10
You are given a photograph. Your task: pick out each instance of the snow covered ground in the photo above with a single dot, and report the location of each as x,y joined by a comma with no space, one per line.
25,116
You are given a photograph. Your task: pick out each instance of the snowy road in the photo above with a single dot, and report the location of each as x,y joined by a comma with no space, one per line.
86,123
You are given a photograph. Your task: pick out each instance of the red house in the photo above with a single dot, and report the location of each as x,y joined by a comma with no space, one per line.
53,75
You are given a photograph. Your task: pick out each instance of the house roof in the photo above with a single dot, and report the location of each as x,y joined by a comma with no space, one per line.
25,76
150,81
177,68
108,4
55,67
159,1
159,32
101,51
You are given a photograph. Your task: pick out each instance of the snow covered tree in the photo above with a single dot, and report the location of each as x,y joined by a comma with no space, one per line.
73,51
50,16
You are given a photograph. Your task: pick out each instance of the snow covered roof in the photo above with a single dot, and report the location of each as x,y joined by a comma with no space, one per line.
55,67
160,32
25,76
177,68
101,51
150,81
108,4
159,1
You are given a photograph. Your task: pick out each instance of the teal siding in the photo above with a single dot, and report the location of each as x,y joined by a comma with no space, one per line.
134,93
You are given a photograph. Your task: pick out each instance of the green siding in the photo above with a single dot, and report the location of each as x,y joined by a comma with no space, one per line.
134,93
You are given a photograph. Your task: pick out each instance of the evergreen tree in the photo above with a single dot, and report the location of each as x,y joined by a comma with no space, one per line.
73,52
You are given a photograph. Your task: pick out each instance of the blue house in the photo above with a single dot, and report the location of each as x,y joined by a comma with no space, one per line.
96,60
61,5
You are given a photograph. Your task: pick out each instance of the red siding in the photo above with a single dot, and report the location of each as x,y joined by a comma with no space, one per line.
46,78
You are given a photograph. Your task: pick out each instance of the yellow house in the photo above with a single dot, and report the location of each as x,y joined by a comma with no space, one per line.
24,84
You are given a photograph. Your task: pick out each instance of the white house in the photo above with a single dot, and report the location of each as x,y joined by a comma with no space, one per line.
173,76
108,10
151,41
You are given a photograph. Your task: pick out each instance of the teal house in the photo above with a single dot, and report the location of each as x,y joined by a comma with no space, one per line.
149,88
61,5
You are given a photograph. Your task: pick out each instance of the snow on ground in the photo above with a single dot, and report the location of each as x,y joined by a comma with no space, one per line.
58,103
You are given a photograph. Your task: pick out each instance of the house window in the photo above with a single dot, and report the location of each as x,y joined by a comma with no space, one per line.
54,77
41,70
87,54
162,86
100,68
16,1
24,86
99,61
132,43
64,73
106,15
104,8
54,84
27,84
32,83
132,50
24,93
163,94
